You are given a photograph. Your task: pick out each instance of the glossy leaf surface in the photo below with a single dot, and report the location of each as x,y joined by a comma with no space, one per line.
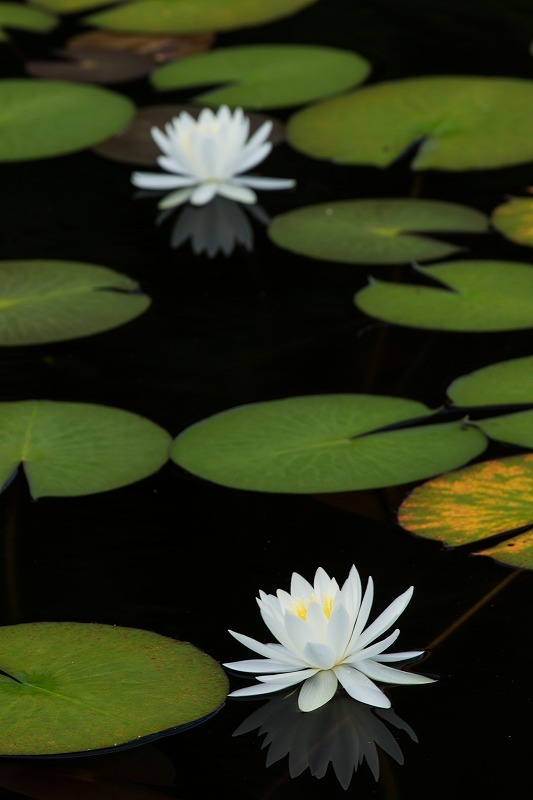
502,383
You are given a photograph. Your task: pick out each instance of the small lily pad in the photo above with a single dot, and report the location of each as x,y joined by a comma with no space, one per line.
265,76
474,503
70,687
455,123
480,296
71,449
378,231
43,118
190,16
24,17
515,428
514,220
496,384
324,443
50,301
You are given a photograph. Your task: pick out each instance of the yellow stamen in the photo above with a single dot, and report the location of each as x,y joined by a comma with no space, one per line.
299,606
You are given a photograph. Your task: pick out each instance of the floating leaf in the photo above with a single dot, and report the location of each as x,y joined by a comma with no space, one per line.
48,118
71,687
514,220
323,443
92,66
70,449
456,123
26,18
496,384
73,6
474,503
483,296
265,76
516,428
49,301
189,16
158,47
374,231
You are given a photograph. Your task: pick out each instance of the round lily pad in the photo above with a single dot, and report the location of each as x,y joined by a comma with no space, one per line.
496,384
378,231
24,17
514,220
516,428
323,443
480,296
454,123
265,76
72,687
69,449
189,16
43,118
49,301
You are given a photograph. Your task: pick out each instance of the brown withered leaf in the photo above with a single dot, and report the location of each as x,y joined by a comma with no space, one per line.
159,48
92,66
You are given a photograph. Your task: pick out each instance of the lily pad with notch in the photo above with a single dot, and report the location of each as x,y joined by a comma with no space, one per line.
24,17
503,383
514,220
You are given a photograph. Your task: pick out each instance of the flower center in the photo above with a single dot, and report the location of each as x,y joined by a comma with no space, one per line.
299,606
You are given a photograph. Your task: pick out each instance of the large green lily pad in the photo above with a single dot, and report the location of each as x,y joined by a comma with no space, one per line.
189,16
456,123
514,220
72,687
43,118
323,443
378,231
265,76
472,504
68,449
73,6
480,296
26,18
48,301
496,384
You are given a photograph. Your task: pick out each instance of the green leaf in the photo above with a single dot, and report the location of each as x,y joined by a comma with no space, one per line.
515,428
374,231
457,123
69,449
484,296
26,18
49,301
43,118
189,16
73,687
265,76
323,443
474,503
496,384
72,6
514,220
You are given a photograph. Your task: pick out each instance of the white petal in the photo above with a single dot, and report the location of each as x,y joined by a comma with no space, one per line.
161,140
267,184
241,194
362,617
174,199
171,165
360,687
317,691
339,631
352,592
204,194
319,655
267,650
298,633
317,622
379,672
408,654
374,649
249,160
386,618
156,180
256,688
260,665
300,588
288,678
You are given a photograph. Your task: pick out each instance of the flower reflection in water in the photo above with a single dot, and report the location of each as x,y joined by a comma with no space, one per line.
343,732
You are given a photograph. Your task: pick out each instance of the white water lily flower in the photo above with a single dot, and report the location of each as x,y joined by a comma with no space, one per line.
207,156
322,641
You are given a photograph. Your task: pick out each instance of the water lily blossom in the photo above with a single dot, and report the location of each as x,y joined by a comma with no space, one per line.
322,641
207,156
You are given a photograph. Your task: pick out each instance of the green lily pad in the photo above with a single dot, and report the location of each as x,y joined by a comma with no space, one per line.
483,296
323,443
70,449
375,231
49,301
474,503
496,384
514,220
190,16
456,123
73,6
25,18
515,428
43,118
71,687
265,76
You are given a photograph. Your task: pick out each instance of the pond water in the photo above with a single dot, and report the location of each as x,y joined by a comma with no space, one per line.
185,557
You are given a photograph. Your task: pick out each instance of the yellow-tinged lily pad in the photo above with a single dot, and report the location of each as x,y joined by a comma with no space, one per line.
49,301
377,231
479,296
24,17
323,443
265,76
70,687
189,16
474,503
455,123
43,118
514,220
70,449
496,384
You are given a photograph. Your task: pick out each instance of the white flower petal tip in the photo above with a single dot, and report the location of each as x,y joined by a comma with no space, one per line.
324,641
207,157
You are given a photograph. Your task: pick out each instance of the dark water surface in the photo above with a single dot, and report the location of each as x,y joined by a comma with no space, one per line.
186,558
